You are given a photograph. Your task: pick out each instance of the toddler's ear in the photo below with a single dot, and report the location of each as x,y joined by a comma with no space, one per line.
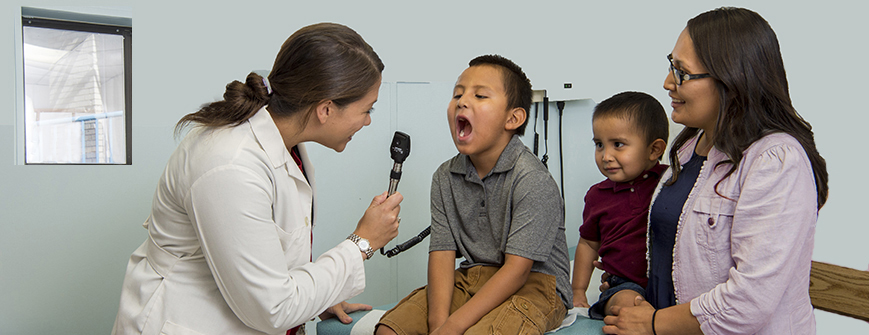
656,149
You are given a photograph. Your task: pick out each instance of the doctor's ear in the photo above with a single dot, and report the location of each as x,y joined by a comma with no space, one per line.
324,110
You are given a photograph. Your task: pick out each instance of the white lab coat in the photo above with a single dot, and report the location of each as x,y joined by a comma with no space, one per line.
229,241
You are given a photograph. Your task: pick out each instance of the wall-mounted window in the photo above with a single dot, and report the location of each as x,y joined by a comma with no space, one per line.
77,89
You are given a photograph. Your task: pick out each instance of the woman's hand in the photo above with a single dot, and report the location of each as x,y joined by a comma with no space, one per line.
379,224
632,320
340,311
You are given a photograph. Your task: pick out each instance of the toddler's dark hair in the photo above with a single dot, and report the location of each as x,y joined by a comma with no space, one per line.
642,110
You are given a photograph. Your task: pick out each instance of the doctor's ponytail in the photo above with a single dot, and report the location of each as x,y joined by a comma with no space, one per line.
320,62
240,102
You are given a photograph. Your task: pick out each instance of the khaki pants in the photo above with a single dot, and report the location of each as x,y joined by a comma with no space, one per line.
535,309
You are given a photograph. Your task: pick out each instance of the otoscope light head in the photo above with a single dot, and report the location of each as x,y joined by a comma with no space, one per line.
400,147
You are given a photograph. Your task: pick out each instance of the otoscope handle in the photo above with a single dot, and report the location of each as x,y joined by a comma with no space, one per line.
394,177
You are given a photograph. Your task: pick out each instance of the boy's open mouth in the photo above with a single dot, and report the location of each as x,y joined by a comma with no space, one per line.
463,127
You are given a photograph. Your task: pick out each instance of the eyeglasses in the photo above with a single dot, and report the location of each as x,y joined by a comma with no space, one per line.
682,76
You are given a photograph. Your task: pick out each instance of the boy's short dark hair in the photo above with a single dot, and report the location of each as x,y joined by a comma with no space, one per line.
641,109
516,84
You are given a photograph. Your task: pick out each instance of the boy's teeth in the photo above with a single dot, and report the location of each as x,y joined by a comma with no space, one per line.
462,133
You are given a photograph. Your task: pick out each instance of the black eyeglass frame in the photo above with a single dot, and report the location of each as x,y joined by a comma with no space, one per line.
680,76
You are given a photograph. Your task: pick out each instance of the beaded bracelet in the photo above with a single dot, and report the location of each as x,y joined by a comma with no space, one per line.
653,322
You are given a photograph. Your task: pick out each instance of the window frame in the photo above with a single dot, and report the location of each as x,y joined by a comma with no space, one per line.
52,19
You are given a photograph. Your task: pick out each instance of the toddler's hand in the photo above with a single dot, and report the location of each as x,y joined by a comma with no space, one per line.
579,300
603,277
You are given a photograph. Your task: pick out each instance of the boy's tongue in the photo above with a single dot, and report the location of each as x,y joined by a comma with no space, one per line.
464,128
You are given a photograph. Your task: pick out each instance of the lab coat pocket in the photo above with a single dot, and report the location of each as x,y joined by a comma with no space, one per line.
714,220
143,292
296,244
170,328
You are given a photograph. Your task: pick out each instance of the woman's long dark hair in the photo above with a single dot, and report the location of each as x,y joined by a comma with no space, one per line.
741,52
320,62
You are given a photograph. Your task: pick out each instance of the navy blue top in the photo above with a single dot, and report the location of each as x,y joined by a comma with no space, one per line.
663,219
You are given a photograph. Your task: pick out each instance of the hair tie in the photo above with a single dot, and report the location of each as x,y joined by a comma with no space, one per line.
268,86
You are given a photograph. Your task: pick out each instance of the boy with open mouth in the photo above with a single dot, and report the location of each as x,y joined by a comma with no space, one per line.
497,206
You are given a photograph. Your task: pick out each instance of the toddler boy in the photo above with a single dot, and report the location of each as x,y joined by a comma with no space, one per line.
630,136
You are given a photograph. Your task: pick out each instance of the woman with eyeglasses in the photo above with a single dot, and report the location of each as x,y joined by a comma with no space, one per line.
731,226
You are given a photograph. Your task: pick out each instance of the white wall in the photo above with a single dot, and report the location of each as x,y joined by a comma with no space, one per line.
68,231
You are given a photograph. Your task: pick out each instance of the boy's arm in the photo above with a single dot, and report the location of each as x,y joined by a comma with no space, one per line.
586,253
506,282
441,283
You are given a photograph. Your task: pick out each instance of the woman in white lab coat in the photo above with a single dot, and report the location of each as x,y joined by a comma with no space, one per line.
229,235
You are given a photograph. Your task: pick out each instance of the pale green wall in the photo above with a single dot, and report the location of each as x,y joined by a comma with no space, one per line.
67,232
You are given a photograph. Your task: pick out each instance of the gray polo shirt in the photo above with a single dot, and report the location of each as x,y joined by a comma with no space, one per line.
515,209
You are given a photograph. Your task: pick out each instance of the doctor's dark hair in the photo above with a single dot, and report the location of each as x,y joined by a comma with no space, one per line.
741,52
320,62
517,86
643,111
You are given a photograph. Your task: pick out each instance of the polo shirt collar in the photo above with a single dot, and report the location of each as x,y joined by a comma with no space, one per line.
509,156
506,161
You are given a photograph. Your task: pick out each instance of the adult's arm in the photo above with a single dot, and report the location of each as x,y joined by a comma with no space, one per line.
637,320
231,211
774,218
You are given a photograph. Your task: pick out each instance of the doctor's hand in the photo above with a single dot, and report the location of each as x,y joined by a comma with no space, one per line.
340,311
379,225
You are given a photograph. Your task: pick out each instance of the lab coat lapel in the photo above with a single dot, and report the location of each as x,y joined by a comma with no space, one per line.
309,170
269,137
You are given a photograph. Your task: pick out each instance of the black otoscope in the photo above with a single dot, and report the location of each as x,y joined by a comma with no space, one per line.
399,150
